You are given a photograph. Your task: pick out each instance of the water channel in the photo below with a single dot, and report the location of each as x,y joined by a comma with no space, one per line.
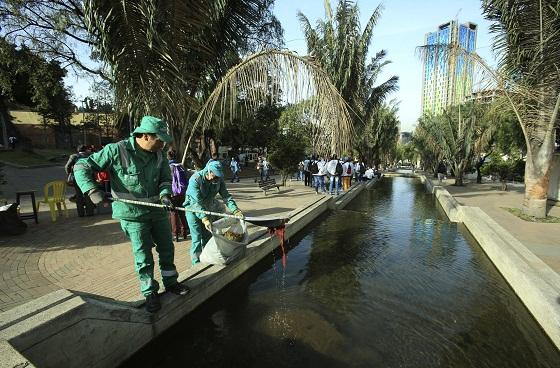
387,282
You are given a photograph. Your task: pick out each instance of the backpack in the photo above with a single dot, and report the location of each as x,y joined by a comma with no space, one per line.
179,181
349,169
314,168
338,170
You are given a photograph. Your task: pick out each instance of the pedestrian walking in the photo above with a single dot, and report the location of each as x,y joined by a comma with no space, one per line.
260,169
266,169
201,193
139,172
235,169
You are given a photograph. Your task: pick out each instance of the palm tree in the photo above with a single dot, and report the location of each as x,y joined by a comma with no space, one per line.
341,49
528,38
528,44
167,57
379,136
452,135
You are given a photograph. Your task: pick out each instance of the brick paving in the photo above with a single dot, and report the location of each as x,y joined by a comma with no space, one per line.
91,254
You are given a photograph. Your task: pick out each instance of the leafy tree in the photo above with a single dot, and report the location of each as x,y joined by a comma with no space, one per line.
256,130
286,152
503,168
54,29
296,120
30,80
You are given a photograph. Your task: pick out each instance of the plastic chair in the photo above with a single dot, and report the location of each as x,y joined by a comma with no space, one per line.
58,197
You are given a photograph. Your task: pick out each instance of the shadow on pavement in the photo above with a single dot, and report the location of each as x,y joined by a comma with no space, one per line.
66,233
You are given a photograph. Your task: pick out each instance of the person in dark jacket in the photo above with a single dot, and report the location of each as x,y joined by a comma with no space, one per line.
83,204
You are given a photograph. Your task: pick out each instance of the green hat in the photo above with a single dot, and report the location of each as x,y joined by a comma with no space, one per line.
153,125
216,167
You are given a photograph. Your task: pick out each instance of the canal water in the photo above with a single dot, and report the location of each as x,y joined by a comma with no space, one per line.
387,282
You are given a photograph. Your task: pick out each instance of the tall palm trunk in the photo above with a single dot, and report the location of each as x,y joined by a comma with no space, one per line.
537,177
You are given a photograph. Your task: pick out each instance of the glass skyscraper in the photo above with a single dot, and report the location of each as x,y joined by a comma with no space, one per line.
447,80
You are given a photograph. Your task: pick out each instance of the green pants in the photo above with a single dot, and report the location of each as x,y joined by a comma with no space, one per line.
143,236
199,234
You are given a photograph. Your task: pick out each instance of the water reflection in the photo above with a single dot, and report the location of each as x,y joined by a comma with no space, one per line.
387,282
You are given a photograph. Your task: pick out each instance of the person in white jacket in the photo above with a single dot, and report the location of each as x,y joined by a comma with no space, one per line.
319,177
334,170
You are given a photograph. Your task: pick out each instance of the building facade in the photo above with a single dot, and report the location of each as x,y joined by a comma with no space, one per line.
447,80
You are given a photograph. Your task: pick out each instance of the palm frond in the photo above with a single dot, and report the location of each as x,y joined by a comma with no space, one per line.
300,79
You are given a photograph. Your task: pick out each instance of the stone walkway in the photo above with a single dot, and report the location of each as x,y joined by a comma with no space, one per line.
543,239
91,254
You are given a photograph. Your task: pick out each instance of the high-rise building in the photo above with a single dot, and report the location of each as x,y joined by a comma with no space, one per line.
447,80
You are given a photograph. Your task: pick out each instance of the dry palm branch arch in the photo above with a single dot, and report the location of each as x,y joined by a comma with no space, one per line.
295,79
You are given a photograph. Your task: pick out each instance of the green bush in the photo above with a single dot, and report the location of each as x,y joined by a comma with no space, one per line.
503,169
285,153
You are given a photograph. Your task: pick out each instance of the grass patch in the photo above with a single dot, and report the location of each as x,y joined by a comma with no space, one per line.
517,212
37,157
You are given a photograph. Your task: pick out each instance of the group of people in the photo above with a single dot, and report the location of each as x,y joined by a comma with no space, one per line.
139,172
263,168
338,173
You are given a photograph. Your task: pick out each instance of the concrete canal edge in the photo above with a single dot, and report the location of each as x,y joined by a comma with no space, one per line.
72,329
534,282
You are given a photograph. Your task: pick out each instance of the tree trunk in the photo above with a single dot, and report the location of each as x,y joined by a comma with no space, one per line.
458,170
537,177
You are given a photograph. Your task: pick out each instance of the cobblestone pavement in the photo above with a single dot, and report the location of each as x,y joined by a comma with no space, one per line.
92,255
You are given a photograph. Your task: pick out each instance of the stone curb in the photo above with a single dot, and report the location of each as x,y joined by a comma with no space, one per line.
534,282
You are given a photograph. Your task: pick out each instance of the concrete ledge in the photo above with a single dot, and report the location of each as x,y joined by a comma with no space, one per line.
69,329
534,282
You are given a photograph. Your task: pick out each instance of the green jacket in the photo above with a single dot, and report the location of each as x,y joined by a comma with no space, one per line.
135,174
201,193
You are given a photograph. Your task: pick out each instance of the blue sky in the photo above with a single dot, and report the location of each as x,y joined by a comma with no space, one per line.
401,28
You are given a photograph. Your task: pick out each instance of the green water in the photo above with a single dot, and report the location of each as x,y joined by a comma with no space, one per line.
387,282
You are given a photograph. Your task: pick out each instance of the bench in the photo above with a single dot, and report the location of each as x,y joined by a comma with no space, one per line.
268,184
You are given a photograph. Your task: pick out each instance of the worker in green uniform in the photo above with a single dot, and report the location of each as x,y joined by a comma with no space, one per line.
203,187
139,172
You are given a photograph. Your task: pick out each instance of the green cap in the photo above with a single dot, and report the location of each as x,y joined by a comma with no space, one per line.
153,125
